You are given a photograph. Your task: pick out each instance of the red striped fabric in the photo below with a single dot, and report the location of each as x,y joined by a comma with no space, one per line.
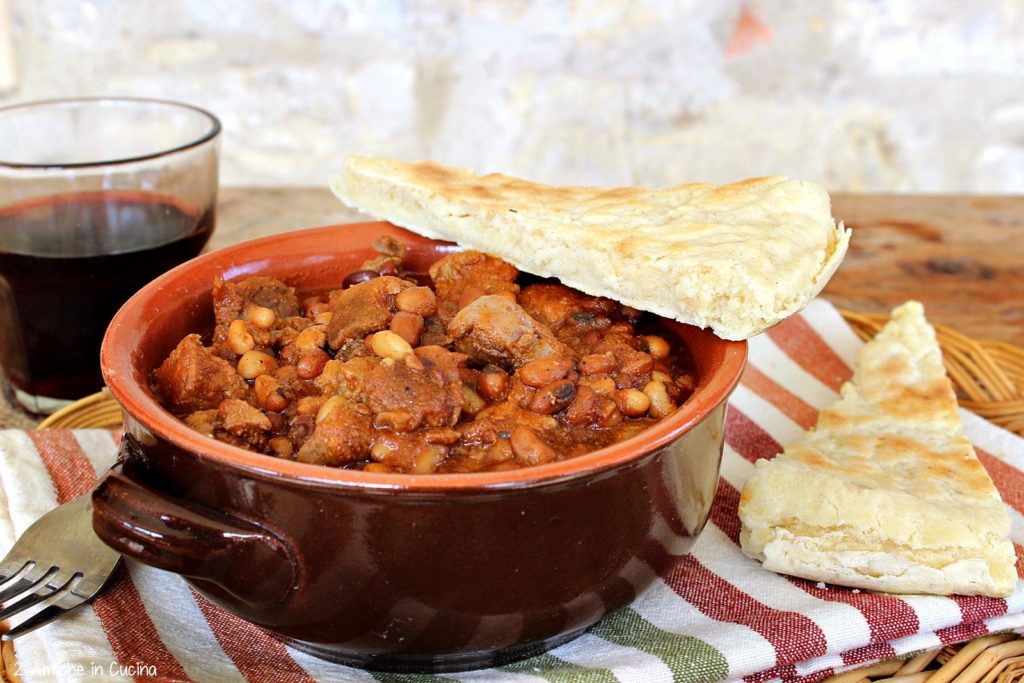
977,608
724,511
804,345
70,470
127,625
791,405
793,635
258,656
1008,479
747,438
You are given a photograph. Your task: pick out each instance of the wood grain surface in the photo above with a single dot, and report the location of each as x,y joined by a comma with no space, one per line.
962,256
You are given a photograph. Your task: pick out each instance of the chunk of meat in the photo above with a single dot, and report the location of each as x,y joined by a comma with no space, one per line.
461,278
363,308
495,330
192,378
231,298
558,306
244,421
390,253
203,421
344,435
406,398
346,378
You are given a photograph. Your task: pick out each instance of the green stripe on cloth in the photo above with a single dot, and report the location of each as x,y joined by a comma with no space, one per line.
557,670
690,659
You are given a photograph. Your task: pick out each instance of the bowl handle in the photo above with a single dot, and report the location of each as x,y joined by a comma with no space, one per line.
245,560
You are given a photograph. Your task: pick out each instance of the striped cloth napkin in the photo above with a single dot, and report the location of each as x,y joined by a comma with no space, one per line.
718,616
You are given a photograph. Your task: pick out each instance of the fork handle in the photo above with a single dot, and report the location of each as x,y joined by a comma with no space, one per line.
245,560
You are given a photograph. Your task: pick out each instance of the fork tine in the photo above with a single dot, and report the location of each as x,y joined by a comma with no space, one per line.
67,602
13,567
39,596
37,620
28,582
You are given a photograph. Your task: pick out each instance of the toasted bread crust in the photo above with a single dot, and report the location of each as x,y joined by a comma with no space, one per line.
737,258
886,492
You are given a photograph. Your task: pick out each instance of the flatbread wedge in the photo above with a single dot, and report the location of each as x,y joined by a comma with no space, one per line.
736,258
885,492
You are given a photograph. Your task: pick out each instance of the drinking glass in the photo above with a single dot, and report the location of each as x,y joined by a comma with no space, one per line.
98,196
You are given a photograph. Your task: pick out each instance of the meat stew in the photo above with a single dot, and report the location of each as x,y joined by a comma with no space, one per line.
470,367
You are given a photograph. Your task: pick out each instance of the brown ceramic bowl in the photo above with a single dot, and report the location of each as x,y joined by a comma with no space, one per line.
392,571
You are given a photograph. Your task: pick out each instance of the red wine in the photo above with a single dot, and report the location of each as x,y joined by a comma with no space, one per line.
60,287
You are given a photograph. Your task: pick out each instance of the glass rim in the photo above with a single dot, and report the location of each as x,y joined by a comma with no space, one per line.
213,131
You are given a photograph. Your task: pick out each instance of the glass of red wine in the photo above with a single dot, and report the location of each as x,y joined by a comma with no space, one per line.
98,196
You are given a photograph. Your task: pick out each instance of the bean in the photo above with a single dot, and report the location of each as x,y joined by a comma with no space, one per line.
441,435
637,364
318,308
313,337
539,372
269,394
252,364
408,326
597,364
309,302
329,406
583,408
471,401
553,397
687,382
380,452
608,413
632,402
661,404
311,363
428,459
527,447
602,385
387,344
661,376
654,345
239,339
309,405
358,276
261,316
418,300
492,384
282,447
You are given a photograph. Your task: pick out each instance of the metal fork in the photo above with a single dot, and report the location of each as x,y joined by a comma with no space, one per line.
59,561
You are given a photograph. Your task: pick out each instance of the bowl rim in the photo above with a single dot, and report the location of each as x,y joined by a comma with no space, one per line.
142,408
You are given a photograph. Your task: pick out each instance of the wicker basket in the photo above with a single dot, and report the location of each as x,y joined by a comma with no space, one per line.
989,380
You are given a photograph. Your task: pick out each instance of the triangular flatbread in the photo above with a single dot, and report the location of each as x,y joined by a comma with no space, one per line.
737,258
885,493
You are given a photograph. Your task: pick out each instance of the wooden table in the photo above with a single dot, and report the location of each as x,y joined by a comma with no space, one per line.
962,256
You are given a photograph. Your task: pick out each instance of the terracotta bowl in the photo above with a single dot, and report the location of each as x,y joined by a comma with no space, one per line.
390,571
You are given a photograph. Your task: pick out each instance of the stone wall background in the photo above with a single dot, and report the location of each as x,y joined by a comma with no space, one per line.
896,95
